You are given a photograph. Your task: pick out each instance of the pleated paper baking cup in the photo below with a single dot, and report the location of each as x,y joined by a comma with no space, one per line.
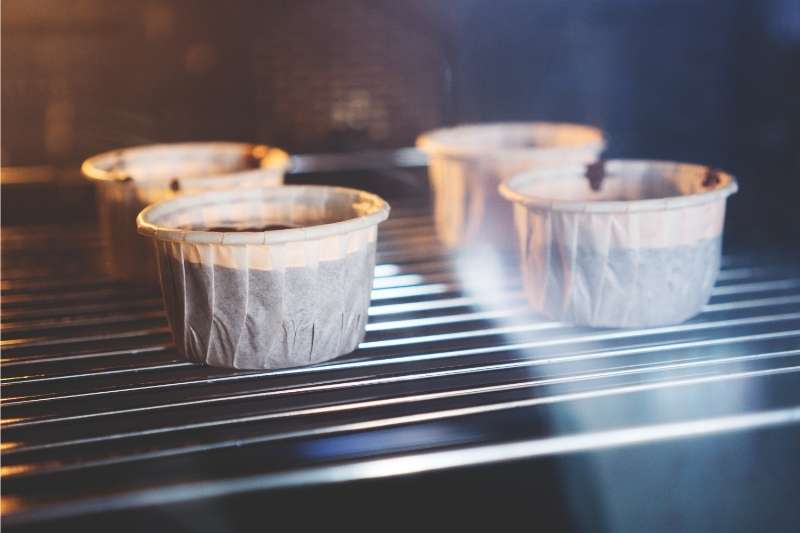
467,163
241,294
128,180
643,250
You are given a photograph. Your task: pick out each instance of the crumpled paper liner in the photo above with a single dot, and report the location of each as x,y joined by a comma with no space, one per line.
643,251
467,163
274,299
130,179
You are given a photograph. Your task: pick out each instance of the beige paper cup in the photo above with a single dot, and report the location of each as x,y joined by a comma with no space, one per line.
467,163
128,180
643,251
266,299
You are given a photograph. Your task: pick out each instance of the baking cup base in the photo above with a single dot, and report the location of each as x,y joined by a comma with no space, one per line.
254,319
624,288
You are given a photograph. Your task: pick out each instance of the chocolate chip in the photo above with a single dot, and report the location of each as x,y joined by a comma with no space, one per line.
595,173
175,185
712,177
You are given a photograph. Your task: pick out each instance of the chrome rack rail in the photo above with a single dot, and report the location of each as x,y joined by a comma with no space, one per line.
99,414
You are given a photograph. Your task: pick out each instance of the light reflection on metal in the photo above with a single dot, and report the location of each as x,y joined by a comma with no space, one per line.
386,269
573,443
743,304
432,461
447,319
482,270
740,273
397,281
759,286
528,402
491,294
601,335
391,309
567,358
10,504
436,415
390,438
407,292
505,331
14,470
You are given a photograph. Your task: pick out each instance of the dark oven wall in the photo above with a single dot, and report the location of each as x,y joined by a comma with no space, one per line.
712,82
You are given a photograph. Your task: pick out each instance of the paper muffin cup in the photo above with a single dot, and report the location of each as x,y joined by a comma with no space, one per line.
467,163
266,299
644,250
128,180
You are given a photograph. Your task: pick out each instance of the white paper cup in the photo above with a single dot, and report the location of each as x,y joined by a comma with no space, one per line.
467,163
128,180
643,251
266,299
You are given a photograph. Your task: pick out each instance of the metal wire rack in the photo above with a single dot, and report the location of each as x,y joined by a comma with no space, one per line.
99,415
